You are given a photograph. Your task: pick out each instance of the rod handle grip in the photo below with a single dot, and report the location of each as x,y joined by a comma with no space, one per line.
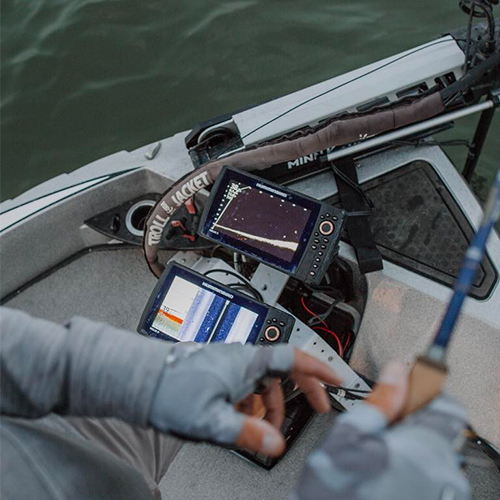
426,380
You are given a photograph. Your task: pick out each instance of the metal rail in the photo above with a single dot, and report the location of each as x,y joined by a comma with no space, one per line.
410,130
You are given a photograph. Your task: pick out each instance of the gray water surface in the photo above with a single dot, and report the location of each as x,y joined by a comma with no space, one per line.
81,80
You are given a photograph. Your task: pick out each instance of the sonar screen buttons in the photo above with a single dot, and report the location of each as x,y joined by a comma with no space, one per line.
326,227
272,333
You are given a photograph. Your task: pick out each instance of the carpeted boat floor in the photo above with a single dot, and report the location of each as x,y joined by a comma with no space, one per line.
113,286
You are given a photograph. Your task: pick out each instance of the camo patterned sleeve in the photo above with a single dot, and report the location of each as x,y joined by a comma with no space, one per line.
362,458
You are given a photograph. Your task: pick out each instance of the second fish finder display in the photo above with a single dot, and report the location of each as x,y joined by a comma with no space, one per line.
203,313
188,306
261,220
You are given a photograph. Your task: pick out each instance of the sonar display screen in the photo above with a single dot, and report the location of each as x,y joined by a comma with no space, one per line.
261,220
190,308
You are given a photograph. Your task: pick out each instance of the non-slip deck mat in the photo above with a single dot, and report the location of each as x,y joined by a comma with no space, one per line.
110,286
417,224
113,286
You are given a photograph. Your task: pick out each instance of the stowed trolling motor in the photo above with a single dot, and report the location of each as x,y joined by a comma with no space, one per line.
427,99
423,91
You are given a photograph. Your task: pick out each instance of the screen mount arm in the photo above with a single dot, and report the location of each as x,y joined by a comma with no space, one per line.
270,283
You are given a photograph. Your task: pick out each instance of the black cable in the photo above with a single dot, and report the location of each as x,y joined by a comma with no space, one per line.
455,89
425,142
320,318
325,315
360,213
341,388
469,7
229,260
227,271
317,96
237,276
469,37
418,142
352,184
337,295
214,249
183,249
486,7
241,288
350,394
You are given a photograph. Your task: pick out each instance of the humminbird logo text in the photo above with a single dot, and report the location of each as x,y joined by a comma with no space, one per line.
271,190
181,195
218,290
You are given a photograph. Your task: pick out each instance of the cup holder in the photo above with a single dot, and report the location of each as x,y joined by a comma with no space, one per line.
136,217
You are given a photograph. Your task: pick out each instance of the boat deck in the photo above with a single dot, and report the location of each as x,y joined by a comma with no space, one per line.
113,286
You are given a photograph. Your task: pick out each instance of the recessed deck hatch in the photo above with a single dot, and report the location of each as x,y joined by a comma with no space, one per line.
418,225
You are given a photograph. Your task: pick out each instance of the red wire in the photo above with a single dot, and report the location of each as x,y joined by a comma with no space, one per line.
325,328
341,351
349,334
312,313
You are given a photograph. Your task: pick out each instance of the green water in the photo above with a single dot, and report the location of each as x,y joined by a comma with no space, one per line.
84,79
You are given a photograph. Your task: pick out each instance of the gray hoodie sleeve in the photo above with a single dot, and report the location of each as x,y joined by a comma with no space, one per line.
82,368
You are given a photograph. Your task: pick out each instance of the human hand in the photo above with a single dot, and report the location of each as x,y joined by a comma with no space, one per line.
202,383
371,453
443,416
391,391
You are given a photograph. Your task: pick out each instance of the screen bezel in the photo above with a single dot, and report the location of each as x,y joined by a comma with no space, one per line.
209,214
174,270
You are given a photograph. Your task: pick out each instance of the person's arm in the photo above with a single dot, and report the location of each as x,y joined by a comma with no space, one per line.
82,368
364,457
93,369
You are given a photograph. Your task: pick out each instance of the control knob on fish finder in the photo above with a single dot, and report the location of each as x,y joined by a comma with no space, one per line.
272,333
289,231
326,228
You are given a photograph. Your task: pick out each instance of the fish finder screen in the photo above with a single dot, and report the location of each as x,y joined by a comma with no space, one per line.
193,309
261,220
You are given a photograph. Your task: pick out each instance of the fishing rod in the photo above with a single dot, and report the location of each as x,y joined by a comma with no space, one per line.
429,371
